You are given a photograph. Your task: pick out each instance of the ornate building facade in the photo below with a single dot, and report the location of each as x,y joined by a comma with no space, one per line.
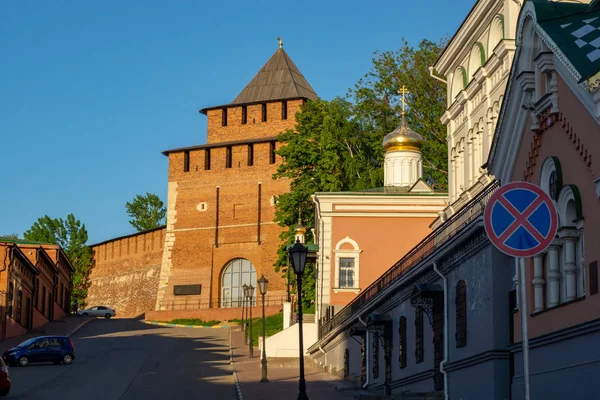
548,134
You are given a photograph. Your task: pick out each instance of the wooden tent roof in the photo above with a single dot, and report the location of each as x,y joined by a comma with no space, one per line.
278,79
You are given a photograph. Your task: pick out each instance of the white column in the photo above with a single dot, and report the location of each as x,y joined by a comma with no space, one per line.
538,282
554,275
570,268
452,180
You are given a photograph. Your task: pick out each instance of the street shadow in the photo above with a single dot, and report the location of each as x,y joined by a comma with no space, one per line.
125,359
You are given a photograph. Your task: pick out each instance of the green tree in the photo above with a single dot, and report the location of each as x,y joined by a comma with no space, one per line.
72,236
148,212
337,145
11,236
377,102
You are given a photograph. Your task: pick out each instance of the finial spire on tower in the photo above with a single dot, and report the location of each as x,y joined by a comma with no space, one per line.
403,91
280,42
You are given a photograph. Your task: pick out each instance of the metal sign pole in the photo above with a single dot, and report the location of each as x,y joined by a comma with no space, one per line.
520,261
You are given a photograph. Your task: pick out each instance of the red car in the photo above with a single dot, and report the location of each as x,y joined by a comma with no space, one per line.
4,380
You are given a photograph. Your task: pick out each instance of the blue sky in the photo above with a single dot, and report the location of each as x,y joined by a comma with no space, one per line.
92,92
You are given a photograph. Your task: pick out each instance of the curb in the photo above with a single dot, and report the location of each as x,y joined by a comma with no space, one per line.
238,389
185,326
78,327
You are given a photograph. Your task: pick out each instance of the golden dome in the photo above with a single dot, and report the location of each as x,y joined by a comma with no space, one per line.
299,229
403,138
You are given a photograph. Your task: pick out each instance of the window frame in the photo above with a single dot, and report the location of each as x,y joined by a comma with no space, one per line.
347,253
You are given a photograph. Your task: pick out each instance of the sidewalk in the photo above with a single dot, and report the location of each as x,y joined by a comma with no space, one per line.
62,327
283,380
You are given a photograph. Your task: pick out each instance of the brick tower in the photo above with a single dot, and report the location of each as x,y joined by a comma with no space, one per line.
220,230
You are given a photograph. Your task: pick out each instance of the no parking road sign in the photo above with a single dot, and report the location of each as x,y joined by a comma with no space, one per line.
520,219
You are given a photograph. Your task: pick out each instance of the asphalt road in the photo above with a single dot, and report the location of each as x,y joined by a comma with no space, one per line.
122,359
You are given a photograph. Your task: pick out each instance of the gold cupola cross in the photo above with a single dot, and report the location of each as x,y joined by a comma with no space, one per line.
403,92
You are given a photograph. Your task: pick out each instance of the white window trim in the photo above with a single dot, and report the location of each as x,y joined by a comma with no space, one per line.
341,253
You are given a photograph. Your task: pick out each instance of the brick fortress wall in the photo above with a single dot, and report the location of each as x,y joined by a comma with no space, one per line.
223,209
125,273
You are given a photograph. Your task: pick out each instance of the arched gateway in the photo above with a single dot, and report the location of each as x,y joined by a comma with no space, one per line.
237,273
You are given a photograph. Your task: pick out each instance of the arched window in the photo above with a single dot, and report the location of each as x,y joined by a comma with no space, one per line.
347,265
461,314
551,177
419,335
402,343
236,274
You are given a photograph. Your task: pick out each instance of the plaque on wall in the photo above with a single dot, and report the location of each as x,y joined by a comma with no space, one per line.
186,290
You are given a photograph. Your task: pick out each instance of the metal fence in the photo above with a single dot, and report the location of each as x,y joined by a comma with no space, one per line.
198,304
433,241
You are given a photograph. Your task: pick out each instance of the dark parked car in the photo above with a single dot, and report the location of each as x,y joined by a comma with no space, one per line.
56,349
4,380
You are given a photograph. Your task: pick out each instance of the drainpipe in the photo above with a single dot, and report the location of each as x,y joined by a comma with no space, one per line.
324,356
366,353
435,77
446,339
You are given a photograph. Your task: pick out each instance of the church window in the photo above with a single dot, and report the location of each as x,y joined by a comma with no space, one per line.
419,336
461,314
228,157
272,152
552,185
402,344
207,159
224,117
236,274
244,115
264,112
250,154
186,161
347,259
346,273
284,109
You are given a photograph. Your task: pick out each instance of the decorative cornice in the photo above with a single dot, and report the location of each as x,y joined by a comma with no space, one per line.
563,334
478,359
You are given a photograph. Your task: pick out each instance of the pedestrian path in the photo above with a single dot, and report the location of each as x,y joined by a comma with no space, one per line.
62,327
283,380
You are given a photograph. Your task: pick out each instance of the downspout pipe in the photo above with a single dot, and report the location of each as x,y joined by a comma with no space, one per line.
366,354
431,74
446,339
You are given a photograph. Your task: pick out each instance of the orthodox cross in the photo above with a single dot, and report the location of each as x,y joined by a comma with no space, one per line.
280,42
403,91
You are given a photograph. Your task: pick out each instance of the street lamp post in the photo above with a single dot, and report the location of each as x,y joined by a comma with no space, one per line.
244,314
262,286
298,255
250,347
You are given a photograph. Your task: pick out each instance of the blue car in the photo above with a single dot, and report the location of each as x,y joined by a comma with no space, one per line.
56,349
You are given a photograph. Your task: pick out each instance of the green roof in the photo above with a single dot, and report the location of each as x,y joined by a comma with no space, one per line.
575,29
23,241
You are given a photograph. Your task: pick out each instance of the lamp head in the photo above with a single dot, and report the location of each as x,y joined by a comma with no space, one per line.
250,291
298,254
262,284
